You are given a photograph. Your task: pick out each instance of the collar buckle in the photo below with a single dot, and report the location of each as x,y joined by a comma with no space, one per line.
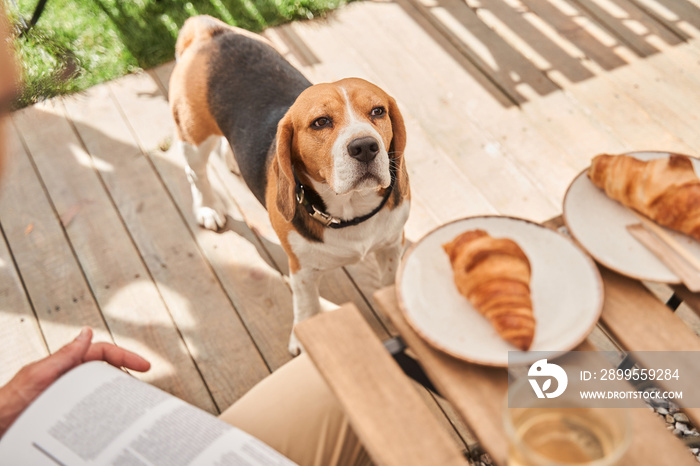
318,215
324,218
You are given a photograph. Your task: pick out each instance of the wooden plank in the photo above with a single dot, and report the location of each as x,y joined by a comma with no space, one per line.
595,95
55,284
161,75
593,45
570,128
640,322
386,412
421,220
582,129
631,25
113,268
635,126
658,134
628,310
584,39
449,421
476,392
666,103
651,442
488,51
235,260
201,310
556,116
678,66
659,87
651,84
510,20
682,16
294,50
19,329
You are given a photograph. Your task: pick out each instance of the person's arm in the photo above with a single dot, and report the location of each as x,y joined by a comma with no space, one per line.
34,378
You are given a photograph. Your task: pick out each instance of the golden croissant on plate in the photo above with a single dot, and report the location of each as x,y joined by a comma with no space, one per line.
667,190
494,275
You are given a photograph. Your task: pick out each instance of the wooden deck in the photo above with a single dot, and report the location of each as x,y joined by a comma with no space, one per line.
505,102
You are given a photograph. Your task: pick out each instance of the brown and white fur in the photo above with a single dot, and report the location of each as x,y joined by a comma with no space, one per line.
343,140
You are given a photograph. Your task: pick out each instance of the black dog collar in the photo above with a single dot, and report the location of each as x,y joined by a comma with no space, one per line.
304,193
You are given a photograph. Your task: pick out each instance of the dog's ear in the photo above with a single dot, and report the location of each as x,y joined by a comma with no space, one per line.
286,200
397,147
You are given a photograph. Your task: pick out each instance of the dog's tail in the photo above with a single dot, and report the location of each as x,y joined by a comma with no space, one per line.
197,28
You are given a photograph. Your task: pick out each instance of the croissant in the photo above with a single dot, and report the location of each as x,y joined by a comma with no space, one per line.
494,275
667,190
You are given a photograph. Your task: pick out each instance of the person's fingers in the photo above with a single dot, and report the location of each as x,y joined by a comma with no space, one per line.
116,356
66,358
34,378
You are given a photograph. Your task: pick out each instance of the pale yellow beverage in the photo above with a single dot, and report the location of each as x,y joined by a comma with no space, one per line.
561,432
555,436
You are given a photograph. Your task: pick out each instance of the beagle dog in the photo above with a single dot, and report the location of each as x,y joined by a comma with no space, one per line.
325,160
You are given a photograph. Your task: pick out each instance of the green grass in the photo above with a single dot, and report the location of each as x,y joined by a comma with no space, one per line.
79,43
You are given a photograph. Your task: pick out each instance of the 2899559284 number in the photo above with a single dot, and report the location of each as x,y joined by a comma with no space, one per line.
639,374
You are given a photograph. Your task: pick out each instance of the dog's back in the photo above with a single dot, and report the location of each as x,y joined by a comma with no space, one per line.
238,86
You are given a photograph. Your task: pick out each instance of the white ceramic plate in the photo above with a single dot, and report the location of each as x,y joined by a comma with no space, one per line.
566,291
599,224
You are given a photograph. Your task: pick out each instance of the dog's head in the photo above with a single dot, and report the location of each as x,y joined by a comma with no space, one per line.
346,134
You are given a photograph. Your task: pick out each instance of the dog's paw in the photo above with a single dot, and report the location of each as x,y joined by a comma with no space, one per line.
295,348
209,218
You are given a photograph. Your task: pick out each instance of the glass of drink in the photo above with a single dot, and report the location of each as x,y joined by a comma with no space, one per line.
542,435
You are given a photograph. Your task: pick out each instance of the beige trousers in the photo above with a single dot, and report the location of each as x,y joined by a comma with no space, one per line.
295,412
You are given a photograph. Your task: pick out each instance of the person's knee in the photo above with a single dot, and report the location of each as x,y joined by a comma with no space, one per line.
295,412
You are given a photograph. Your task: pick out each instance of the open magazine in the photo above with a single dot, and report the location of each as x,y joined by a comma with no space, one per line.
99,415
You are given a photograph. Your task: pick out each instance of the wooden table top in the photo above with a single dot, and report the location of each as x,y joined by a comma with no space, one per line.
636,318
477,392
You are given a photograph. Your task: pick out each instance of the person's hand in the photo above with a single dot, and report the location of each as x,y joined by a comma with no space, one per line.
36,377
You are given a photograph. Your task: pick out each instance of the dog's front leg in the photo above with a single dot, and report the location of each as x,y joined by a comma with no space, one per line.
305,296
388,259
208,209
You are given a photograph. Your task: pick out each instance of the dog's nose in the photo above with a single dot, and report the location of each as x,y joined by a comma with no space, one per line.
363,149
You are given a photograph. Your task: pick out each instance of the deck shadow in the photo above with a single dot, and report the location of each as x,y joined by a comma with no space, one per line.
519,51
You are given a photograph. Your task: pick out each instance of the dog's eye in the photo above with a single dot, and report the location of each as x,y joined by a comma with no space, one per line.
321,122
377,111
